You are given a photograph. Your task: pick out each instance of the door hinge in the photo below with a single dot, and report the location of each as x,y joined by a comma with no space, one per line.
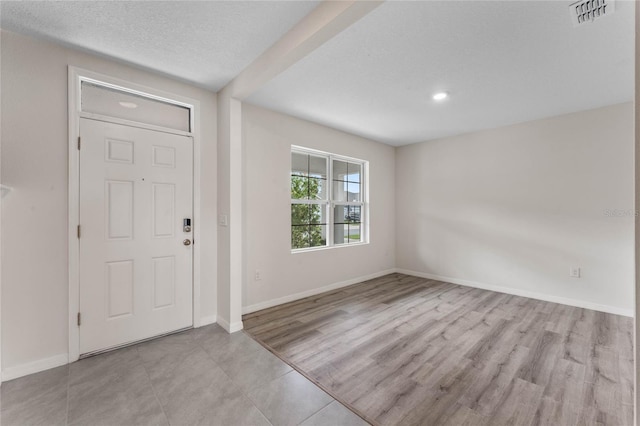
79,319
79,143
78,231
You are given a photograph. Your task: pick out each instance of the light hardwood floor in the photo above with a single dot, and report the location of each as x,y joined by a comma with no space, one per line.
406,350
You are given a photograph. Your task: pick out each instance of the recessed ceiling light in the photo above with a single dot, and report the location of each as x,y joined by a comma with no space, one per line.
128,104
440,96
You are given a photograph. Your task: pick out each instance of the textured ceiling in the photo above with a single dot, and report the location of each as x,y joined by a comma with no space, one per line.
205,42
503,62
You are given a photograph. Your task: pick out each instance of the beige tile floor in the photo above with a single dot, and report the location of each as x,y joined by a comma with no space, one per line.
203,376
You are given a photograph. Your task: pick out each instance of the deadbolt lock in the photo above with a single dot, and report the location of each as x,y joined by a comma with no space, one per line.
186,225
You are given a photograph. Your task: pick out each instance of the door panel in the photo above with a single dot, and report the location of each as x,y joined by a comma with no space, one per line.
119,291
164,281
119,209
164,201
136,187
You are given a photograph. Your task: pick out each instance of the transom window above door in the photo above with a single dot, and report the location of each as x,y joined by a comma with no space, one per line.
108,101
328,200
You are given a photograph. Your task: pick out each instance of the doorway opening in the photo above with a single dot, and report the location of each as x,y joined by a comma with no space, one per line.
133,213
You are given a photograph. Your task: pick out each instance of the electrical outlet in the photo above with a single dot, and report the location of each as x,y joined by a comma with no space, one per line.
574,272
257,275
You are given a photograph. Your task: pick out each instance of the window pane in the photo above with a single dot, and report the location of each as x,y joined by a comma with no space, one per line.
354,214
299,164
299,187
340,213
299,237
317,235
354,172
346,191
347,214
115,103
340,234
353,191
354,233
303,188
317,189
317,167
317,214
340,191
344,233
339,170
346,181
300,214
308,236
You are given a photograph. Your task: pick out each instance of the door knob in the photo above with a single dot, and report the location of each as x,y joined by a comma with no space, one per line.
187,242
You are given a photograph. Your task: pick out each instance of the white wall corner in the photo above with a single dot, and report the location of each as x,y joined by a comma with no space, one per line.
236,213
230,327
208,320
235,326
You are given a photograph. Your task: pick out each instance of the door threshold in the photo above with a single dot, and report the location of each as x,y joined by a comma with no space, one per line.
125,345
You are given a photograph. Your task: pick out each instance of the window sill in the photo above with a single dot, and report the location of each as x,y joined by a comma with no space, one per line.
312,249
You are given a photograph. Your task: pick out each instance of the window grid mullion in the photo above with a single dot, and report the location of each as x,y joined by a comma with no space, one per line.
330,198
349,203
303,201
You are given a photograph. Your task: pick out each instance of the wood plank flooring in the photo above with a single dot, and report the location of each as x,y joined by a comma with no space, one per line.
402,350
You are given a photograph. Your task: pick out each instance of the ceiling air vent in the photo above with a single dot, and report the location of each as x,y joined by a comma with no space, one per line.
583,12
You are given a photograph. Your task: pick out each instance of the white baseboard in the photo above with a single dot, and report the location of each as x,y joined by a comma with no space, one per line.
62,359
210,319
297,296
235,326
34,367
222,323
230,327
524,293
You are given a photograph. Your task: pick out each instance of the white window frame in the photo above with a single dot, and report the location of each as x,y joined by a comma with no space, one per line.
330,203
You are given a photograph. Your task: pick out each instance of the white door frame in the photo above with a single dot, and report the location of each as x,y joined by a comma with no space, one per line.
76,77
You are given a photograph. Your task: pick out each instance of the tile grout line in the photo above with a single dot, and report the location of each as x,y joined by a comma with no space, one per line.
153,389
254,403
294,370
303,374
321,408
66,420
242,391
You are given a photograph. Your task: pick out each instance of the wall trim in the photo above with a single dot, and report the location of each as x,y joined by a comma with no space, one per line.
230,328
63,359
297,296
207,320
34,367
235,326
524,293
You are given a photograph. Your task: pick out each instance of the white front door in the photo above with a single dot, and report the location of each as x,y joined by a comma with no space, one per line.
136,188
